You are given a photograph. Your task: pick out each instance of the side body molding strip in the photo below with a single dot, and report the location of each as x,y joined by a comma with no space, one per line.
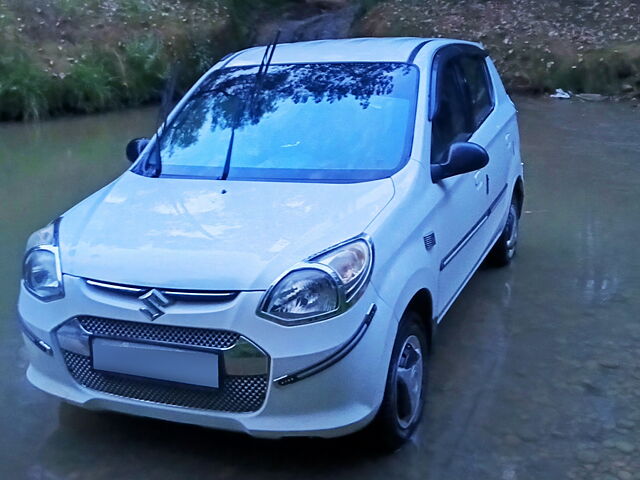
467,236
335,357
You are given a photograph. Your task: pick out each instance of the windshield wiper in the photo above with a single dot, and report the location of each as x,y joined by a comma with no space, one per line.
262,72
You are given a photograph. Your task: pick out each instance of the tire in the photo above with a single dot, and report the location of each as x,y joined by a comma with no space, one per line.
505,248
401,409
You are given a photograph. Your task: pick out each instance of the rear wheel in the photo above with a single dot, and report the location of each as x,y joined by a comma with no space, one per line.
403,402
505,248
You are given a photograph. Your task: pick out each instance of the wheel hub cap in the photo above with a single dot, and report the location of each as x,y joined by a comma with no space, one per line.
409,381
512,231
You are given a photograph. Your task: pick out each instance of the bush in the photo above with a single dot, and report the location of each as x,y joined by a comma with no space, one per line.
25,90
93,55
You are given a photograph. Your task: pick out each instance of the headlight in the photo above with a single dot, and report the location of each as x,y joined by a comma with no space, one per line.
322,286
351,262
45,236
42,273
303,293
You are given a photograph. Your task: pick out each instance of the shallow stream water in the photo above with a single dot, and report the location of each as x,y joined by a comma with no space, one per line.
535,372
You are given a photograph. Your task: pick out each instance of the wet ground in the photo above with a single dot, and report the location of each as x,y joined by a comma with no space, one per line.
536,369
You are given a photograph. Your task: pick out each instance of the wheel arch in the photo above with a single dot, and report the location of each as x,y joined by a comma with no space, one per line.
518,194
422,304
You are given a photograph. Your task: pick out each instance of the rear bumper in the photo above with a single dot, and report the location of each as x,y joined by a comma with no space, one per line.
334,400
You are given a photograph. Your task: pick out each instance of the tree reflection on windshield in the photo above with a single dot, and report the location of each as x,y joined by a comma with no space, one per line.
272,110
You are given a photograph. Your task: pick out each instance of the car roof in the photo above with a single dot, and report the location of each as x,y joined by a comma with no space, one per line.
343,50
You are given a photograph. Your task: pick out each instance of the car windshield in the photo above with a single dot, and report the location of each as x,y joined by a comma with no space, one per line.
331,122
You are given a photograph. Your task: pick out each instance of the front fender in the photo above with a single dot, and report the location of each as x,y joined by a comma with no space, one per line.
404,265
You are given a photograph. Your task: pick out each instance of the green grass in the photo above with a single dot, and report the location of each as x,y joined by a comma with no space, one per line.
25,91
77,56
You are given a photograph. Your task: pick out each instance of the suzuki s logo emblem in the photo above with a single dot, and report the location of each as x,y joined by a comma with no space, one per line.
154,302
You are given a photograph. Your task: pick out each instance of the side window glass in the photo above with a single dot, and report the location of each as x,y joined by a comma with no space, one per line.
452,120
476,80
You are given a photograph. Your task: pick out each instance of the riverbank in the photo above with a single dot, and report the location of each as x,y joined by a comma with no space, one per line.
79,56
579,45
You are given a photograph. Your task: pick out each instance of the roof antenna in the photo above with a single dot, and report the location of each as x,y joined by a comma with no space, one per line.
262,71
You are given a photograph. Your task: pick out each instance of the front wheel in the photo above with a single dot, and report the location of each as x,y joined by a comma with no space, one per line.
401,408
505,248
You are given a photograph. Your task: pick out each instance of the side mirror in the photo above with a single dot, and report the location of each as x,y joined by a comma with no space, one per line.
135,147
462,157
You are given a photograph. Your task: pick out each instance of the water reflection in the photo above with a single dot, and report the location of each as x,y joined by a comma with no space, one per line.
597,278
348,121
233,97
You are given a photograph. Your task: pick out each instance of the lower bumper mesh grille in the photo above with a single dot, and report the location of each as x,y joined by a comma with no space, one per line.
238,394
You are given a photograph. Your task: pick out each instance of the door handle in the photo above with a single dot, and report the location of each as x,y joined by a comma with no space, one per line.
478,179
511,146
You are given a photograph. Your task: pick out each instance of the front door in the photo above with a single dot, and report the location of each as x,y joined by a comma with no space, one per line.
492,130
462,205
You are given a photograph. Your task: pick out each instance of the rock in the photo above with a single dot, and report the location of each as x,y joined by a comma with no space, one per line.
626,424
591,97
527,434
624,446
609,363
590,388
512,440
328,4
588,456
624,475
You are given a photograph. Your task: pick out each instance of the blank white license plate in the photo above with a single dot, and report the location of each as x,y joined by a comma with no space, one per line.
152,361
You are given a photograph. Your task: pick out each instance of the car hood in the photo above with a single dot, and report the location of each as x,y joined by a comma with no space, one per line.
208,234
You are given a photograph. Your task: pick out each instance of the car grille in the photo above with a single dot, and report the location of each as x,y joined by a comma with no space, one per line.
197,337
239,394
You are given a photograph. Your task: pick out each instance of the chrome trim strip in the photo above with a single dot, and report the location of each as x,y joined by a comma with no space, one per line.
113,286
192,295
178,293
467,236
335,357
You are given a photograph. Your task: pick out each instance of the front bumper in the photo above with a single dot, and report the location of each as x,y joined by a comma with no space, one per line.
335,400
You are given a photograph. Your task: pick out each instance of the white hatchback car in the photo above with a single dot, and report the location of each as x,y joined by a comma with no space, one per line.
278,257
